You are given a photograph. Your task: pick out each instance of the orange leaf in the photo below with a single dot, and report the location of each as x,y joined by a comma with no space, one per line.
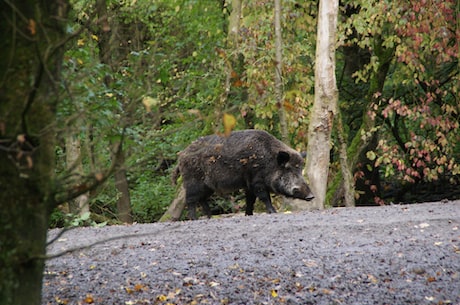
32,27
89,299
288,106
139,287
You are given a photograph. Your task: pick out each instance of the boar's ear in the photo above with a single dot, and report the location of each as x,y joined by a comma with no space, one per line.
282,158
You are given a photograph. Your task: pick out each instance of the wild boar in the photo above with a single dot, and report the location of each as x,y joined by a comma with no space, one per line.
249,160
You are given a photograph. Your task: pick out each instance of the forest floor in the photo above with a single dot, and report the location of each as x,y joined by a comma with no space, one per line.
399,254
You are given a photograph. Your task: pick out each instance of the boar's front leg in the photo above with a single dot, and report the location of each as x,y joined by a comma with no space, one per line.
250,200
263,194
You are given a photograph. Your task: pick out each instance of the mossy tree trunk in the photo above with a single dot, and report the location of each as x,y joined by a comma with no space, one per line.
366,133
31,49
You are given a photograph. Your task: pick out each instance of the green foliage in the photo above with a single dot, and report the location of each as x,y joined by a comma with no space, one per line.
150,200
61,219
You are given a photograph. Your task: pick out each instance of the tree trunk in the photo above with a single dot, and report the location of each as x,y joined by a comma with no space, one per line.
30,58
348,183
79,205
121,184
279,73
106,56
235,92
325,104
366,132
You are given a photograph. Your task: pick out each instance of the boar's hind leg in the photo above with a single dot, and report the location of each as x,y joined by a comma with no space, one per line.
250,199
196,195
264,195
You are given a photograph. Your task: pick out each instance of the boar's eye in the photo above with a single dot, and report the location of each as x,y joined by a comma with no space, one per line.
282,158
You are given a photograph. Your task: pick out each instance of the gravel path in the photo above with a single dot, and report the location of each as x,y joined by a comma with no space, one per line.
401,254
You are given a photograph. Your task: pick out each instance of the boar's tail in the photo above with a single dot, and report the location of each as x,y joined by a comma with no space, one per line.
175,175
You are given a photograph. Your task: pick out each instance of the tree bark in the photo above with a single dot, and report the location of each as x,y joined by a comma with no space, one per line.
79,205
325,104
106,55
121,184
32,39
235,89
279,72
348,183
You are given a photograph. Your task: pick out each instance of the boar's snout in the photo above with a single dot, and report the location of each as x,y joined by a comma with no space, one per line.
303,193
310,196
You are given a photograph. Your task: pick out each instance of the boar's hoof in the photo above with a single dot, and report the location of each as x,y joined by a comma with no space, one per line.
271,210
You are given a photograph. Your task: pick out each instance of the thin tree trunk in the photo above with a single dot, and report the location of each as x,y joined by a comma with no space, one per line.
106,55
121,184
79,205
279,72
325,104
349,185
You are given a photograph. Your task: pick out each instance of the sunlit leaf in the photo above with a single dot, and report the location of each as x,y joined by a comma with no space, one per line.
150,102
89,299
162,298
371,155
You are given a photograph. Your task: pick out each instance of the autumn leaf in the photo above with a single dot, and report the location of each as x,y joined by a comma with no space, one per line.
89,299
32,27
129,290
99,176
288,106
139,287
61,301
372,278
273,293
229,123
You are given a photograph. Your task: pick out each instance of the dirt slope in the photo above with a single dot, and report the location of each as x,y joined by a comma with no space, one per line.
401,254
